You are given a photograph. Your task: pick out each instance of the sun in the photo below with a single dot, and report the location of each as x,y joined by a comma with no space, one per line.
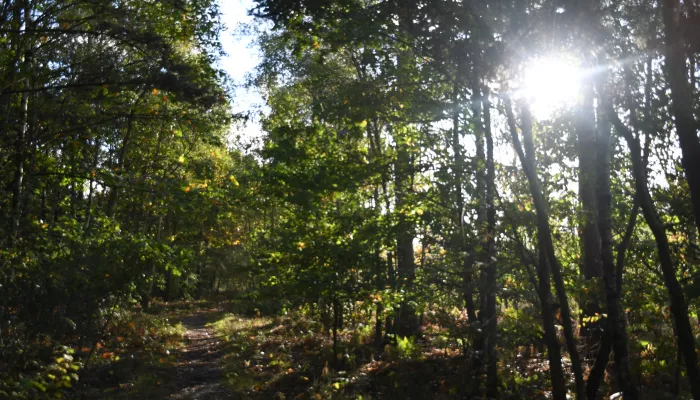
550,84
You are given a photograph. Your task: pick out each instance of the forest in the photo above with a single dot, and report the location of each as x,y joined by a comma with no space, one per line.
449,199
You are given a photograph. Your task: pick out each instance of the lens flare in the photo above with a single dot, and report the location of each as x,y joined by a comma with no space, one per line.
550,84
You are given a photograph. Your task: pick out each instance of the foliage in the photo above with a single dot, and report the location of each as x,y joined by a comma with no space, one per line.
406,195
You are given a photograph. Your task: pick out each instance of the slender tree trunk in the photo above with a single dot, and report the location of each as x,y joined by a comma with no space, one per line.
543,272
336,323
20,140
461,248
88,206
679,307
378,323
591,267
388,324
403,176
481,184
380,278
595,376
480,251
123,153
682,101
490,288
617,328
146,301
546,236
18,179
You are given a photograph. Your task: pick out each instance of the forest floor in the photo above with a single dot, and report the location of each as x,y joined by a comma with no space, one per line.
219,352
200,350
185,365
199,370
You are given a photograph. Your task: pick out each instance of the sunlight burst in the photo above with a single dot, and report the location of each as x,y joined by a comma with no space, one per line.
550,84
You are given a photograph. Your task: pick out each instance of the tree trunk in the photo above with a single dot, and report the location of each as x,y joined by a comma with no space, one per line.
461,248
403,176
336,323
591,267
123,153
490,288
546,236
679,307
479,251
146,300
682,101
616,325
20,140
543,273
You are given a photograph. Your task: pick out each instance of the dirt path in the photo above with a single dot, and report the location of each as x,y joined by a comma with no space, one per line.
199,372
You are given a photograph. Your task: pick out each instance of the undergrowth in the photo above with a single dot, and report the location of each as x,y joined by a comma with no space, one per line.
121,359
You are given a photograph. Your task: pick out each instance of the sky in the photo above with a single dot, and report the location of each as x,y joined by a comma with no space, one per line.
241,58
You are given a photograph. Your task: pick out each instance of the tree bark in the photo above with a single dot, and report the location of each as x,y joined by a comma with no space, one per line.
679,307
682,101
591,267
545,234
543,272
407,321
490,289
20,140
467,263
616,324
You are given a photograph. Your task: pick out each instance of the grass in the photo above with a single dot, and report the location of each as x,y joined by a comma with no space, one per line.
291,358
231,324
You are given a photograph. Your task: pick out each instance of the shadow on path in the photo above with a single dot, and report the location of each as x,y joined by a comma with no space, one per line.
199,372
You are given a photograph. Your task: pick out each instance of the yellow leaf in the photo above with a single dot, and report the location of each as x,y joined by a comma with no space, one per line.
181,159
